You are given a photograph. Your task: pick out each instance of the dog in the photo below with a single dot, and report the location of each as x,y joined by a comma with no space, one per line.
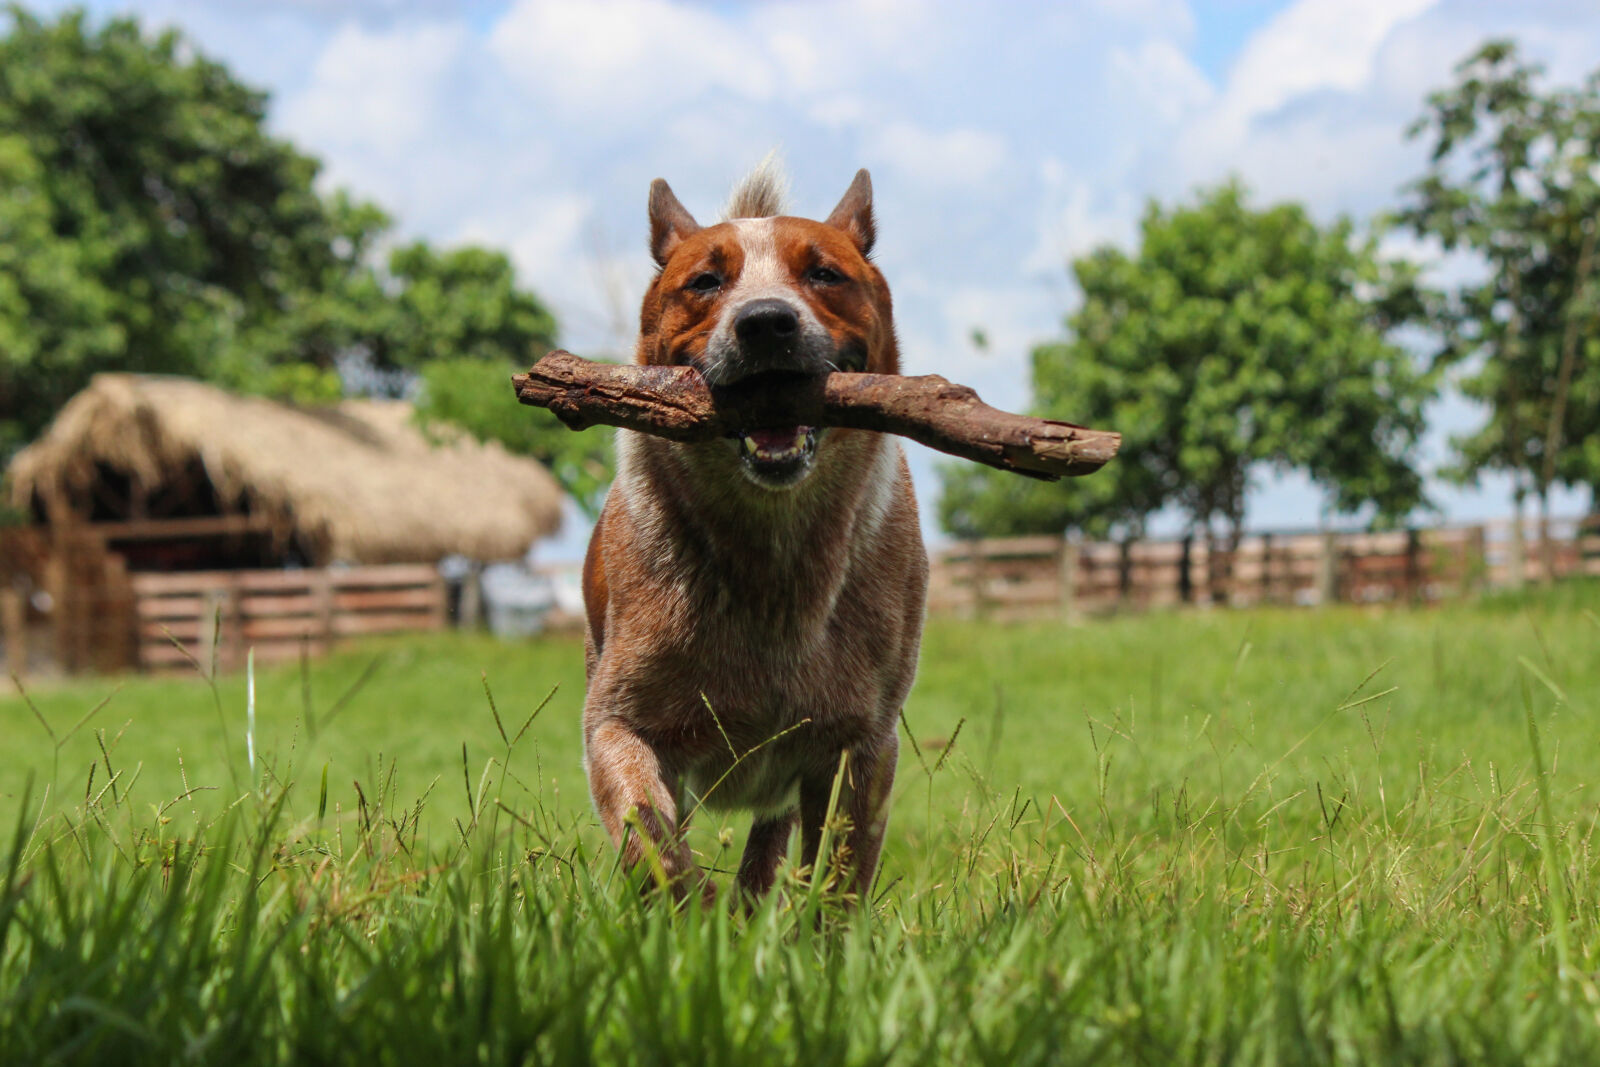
755,604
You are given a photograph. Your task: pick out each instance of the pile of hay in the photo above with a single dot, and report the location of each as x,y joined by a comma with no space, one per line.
357,482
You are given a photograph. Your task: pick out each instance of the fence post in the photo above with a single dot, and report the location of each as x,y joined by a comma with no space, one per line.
323,588
1328,569
1266,568
1517,553
1069,579
1413,565
59,590
14,624
980,601
1475,567
211,623
1185,569
1124,571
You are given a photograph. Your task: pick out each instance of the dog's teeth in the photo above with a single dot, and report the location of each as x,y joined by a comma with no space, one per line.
750,445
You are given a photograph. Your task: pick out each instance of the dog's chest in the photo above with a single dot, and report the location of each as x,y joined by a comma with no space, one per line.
764,679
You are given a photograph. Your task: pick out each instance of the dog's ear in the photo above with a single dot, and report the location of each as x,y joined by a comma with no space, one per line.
854,213
670,222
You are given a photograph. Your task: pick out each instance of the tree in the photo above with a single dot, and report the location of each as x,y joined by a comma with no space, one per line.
1235,339
459,319
149,223
177,235
1514,179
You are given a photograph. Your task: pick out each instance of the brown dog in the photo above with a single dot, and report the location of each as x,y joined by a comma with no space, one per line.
755,604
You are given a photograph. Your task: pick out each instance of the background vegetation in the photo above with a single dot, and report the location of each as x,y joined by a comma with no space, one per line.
150,222
1238,339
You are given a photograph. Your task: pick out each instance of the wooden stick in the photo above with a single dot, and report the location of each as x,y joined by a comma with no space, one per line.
676,403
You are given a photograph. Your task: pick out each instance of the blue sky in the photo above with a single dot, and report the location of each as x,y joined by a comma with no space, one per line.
1003,138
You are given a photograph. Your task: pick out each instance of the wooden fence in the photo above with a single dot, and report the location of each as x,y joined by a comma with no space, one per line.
1034,577
65,601
277,612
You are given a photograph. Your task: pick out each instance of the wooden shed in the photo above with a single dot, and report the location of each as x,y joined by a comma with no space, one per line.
169,512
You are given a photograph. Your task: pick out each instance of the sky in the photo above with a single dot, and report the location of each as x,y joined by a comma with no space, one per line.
1003,138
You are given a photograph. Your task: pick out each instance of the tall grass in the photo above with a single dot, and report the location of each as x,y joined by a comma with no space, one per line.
1347,837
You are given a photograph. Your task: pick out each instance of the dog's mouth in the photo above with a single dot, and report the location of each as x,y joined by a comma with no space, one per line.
778,458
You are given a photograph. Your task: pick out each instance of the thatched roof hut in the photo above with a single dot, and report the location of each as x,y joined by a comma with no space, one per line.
356,482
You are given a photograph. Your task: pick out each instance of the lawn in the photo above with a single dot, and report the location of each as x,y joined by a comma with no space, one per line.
1342,836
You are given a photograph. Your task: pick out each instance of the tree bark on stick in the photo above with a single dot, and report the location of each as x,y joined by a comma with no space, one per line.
676,403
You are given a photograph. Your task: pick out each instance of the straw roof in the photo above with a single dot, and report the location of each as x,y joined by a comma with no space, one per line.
356,482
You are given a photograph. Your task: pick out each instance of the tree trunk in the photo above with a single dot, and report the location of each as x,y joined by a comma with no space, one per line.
1558,408
1547,548
1518,549
1185,575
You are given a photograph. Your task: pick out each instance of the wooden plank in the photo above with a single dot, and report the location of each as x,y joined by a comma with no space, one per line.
257,629
999,547
1046,592
185,583
421,598
200,526
183,629
259,605
287,581
387,622
168,607
386,574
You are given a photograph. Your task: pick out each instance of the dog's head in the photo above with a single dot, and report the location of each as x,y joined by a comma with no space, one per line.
762,299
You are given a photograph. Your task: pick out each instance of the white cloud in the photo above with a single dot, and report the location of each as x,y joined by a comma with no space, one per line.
1078,216
377,89
1170,87
1313,46
1164,18
959,158
607,57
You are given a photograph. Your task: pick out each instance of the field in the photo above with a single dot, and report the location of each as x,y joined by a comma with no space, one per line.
1344,836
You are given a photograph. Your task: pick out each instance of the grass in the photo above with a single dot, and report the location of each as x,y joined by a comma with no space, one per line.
1348,836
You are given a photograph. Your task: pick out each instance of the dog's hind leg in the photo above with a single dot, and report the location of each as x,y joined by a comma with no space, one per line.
863,800
766,847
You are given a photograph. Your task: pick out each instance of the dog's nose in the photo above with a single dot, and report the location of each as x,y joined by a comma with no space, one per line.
766,323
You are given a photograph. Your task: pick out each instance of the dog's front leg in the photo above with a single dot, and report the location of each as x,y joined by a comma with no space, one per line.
864,799
626,779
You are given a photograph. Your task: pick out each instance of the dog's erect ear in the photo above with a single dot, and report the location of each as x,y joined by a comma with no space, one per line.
854,213
670,222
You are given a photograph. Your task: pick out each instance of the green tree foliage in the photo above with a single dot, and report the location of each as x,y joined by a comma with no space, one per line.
1234,339
149,223
153,224
1514,178
459,319
475,394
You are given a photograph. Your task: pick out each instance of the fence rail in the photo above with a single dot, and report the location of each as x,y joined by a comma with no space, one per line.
206,614
1034,577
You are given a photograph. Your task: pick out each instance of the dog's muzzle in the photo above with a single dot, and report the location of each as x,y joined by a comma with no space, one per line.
772,342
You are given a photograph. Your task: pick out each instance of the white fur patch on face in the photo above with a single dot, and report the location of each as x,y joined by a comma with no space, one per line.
763,276
763,273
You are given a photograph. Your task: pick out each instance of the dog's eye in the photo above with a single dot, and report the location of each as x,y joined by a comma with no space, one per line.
705,282
824,276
